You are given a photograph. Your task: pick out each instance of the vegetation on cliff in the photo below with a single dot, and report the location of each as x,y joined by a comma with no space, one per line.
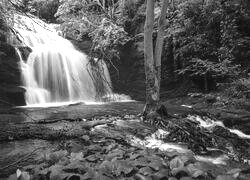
206,42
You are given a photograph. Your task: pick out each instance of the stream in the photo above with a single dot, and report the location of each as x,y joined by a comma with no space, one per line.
13,151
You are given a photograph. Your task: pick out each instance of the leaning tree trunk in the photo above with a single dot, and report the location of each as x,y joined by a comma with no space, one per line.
152,84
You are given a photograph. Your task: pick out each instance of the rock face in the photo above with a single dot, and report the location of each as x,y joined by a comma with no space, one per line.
84,45
10,76
131,77
128,74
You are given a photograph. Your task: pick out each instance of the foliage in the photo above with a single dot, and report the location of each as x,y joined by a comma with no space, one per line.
5,19
6,24
239,88
96,19
107,37
198,67
44,9
210,37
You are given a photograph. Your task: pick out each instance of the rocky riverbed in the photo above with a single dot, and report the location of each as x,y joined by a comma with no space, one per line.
109,141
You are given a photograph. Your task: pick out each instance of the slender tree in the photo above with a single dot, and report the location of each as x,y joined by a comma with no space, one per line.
152,59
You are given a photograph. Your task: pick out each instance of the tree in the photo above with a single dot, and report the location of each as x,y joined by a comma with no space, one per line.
152,59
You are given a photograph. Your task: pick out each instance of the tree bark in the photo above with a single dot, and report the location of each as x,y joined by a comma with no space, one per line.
151,78
159,42
152,61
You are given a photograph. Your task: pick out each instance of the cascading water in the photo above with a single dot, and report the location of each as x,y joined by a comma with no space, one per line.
55,71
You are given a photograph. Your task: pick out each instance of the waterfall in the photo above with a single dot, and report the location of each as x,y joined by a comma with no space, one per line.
55,72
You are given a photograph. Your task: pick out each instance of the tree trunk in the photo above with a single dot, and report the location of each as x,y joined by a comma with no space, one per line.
153,60
150,73
159,42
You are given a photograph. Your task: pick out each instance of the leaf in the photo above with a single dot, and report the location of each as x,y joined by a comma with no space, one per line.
141,162
75,147
146,171
134,156
56,172
122,166
75,167
92,158
106,167
155,165
85,138
186,178
90,174
225,177
178,170
194,170
172,178
76,156
22,175
115,153
163,173
176,163
234,172
55,156
141,177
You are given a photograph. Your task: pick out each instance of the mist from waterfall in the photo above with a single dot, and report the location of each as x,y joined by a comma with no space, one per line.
55,72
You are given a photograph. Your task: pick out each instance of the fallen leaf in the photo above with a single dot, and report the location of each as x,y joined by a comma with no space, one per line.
225,177
122,166
234,172
12,177
146,171
176,163
22,175
56,172
85,138
141,177
76,156
194,170
141,162
186,178
172,178
75,167
106,167
54,157
135,156
75,147
182,170
163,173
155,165
93,158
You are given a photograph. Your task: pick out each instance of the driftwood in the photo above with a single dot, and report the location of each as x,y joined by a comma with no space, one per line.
49,129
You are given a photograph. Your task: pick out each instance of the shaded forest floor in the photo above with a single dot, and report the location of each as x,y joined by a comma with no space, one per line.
118,145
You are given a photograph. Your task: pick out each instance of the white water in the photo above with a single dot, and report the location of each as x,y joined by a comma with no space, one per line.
155,141
55,72
209,124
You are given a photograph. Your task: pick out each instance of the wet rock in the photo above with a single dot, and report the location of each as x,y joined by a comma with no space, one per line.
10,76
210,99
25,52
